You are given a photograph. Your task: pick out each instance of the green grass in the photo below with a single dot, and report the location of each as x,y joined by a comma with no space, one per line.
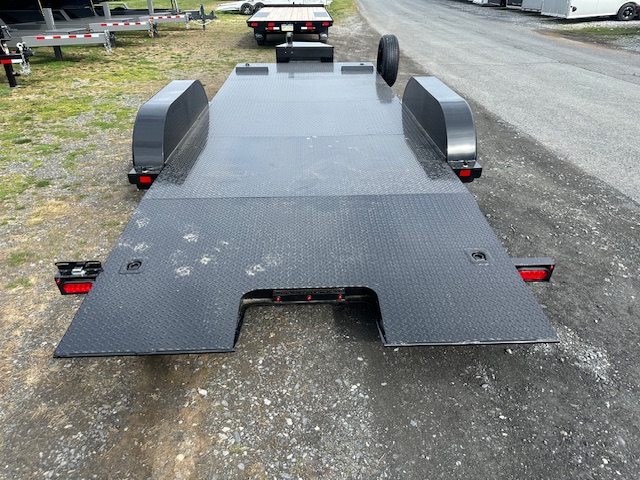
67,110
13,184
606,31
20,258
20,282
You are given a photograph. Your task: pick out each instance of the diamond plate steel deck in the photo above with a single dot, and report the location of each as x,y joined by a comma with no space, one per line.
311,176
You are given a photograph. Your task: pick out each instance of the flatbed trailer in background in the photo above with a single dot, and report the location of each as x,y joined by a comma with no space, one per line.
295,19
349,195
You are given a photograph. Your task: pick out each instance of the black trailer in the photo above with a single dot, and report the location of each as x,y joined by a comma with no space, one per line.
293,19
347,195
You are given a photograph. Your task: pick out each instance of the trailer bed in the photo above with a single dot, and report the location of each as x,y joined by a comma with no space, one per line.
335,186
296,13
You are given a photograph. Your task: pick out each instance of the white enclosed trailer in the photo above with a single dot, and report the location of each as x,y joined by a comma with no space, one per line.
622,9
531,5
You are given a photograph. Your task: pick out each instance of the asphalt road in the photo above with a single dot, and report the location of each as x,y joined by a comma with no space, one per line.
312,393
579,101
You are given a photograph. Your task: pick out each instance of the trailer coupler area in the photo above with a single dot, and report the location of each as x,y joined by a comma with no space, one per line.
76,277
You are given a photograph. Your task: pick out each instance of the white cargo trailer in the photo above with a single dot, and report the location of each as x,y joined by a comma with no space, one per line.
531,5
622,9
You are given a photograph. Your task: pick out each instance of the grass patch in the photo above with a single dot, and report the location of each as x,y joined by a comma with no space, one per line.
605,31
20,282
16,184
69,134
13,184
20,258
48,149
341,9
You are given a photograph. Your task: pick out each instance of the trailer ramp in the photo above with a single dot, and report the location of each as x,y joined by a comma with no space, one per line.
304,177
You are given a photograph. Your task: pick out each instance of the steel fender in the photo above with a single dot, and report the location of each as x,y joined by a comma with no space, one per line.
444,115
164,121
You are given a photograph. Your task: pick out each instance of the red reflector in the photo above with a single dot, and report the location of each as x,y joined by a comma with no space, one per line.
39,37
464,173
57,37
5,62
83,287
340,297
309,297
72,36
145,179
537,275
271,24
278,299
104,24
325,24
308,24
254,24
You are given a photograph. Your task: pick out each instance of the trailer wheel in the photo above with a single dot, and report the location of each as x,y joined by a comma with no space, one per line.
627,12
246,9
388,58
257,7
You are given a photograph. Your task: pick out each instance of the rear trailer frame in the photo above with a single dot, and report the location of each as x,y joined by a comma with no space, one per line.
293,19
350,196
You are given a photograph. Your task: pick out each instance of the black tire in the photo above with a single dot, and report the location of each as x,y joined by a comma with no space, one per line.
261,40
627,12
388,58
246,9
257,7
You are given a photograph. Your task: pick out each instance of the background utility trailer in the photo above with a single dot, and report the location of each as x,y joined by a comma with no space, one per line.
623,10
33,26
298,19
87,11
515,4
9,58
343,198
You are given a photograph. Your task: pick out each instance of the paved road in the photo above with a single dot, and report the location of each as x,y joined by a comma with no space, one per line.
579,100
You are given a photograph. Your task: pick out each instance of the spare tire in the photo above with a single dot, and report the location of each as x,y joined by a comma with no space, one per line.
388,58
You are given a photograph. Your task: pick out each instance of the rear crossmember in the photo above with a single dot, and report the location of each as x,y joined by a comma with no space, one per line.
79,277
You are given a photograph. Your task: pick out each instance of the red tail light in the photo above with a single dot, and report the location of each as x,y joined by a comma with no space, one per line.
535,269
82,287
535,275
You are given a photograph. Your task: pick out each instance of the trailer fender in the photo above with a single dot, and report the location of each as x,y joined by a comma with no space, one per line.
447,119
162,124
